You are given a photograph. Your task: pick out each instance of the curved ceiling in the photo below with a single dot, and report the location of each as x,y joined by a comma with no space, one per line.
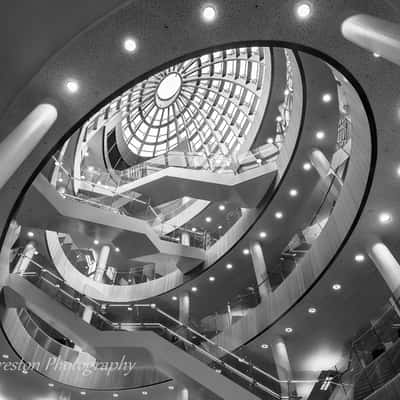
165,34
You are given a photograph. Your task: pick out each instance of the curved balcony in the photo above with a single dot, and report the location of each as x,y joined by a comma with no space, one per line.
99,193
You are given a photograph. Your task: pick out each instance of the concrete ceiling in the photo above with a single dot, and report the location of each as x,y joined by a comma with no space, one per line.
38,55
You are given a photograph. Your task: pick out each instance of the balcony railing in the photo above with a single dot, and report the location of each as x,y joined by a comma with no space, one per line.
243,372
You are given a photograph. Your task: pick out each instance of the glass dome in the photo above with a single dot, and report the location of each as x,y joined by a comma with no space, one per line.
205,104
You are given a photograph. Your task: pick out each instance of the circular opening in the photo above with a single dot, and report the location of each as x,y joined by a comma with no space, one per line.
169,87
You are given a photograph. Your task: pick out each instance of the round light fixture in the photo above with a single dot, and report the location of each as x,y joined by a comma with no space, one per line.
208,219
221,207
51,384
209,13
144,393
174,298
171,387
288,330
194,289
306,166
263,235
211,278
96,242
229,266
279,215
72,86
130,45
194,229
30,234
115,395
312,310
246,252
219,226
320,135
336,286
270,140
376,55
303,10
117,249
326,98
83,393
264,346
359,258
293,192
385,218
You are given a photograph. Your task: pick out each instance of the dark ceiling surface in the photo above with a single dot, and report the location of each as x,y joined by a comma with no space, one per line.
33,68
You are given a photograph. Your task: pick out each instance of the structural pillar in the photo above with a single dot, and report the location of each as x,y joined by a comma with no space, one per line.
25,258
185,238
260,269
102,263
387,266
282,363
375,35
184,308
17,146
184,394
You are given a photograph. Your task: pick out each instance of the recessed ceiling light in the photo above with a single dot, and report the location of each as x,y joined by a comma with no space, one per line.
72,86
306,166
171,387
219,226
376,55
174,298
130,45
221,207
117,249
278,118
24,372
326,98
144,393
208,219
279,215
336,286
36,253
229,266
359,258
320,135
288,330
246,252
194,289
293,192
263,235
51,384
385,218
96,242
312,310
83,393
115,395
30,234
209,13
130,309
303,10
6,356
264,346
286,92
270,140
211,278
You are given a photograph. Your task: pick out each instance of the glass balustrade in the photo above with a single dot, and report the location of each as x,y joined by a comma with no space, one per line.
151,317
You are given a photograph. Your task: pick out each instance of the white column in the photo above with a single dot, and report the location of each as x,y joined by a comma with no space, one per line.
17,146
260,269
320,162
281,359
184,394
25,259
87,314
387,265
375,35
185,238
184,308
102,263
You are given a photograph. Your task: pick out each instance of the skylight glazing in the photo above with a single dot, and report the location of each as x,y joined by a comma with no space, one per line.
207,104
